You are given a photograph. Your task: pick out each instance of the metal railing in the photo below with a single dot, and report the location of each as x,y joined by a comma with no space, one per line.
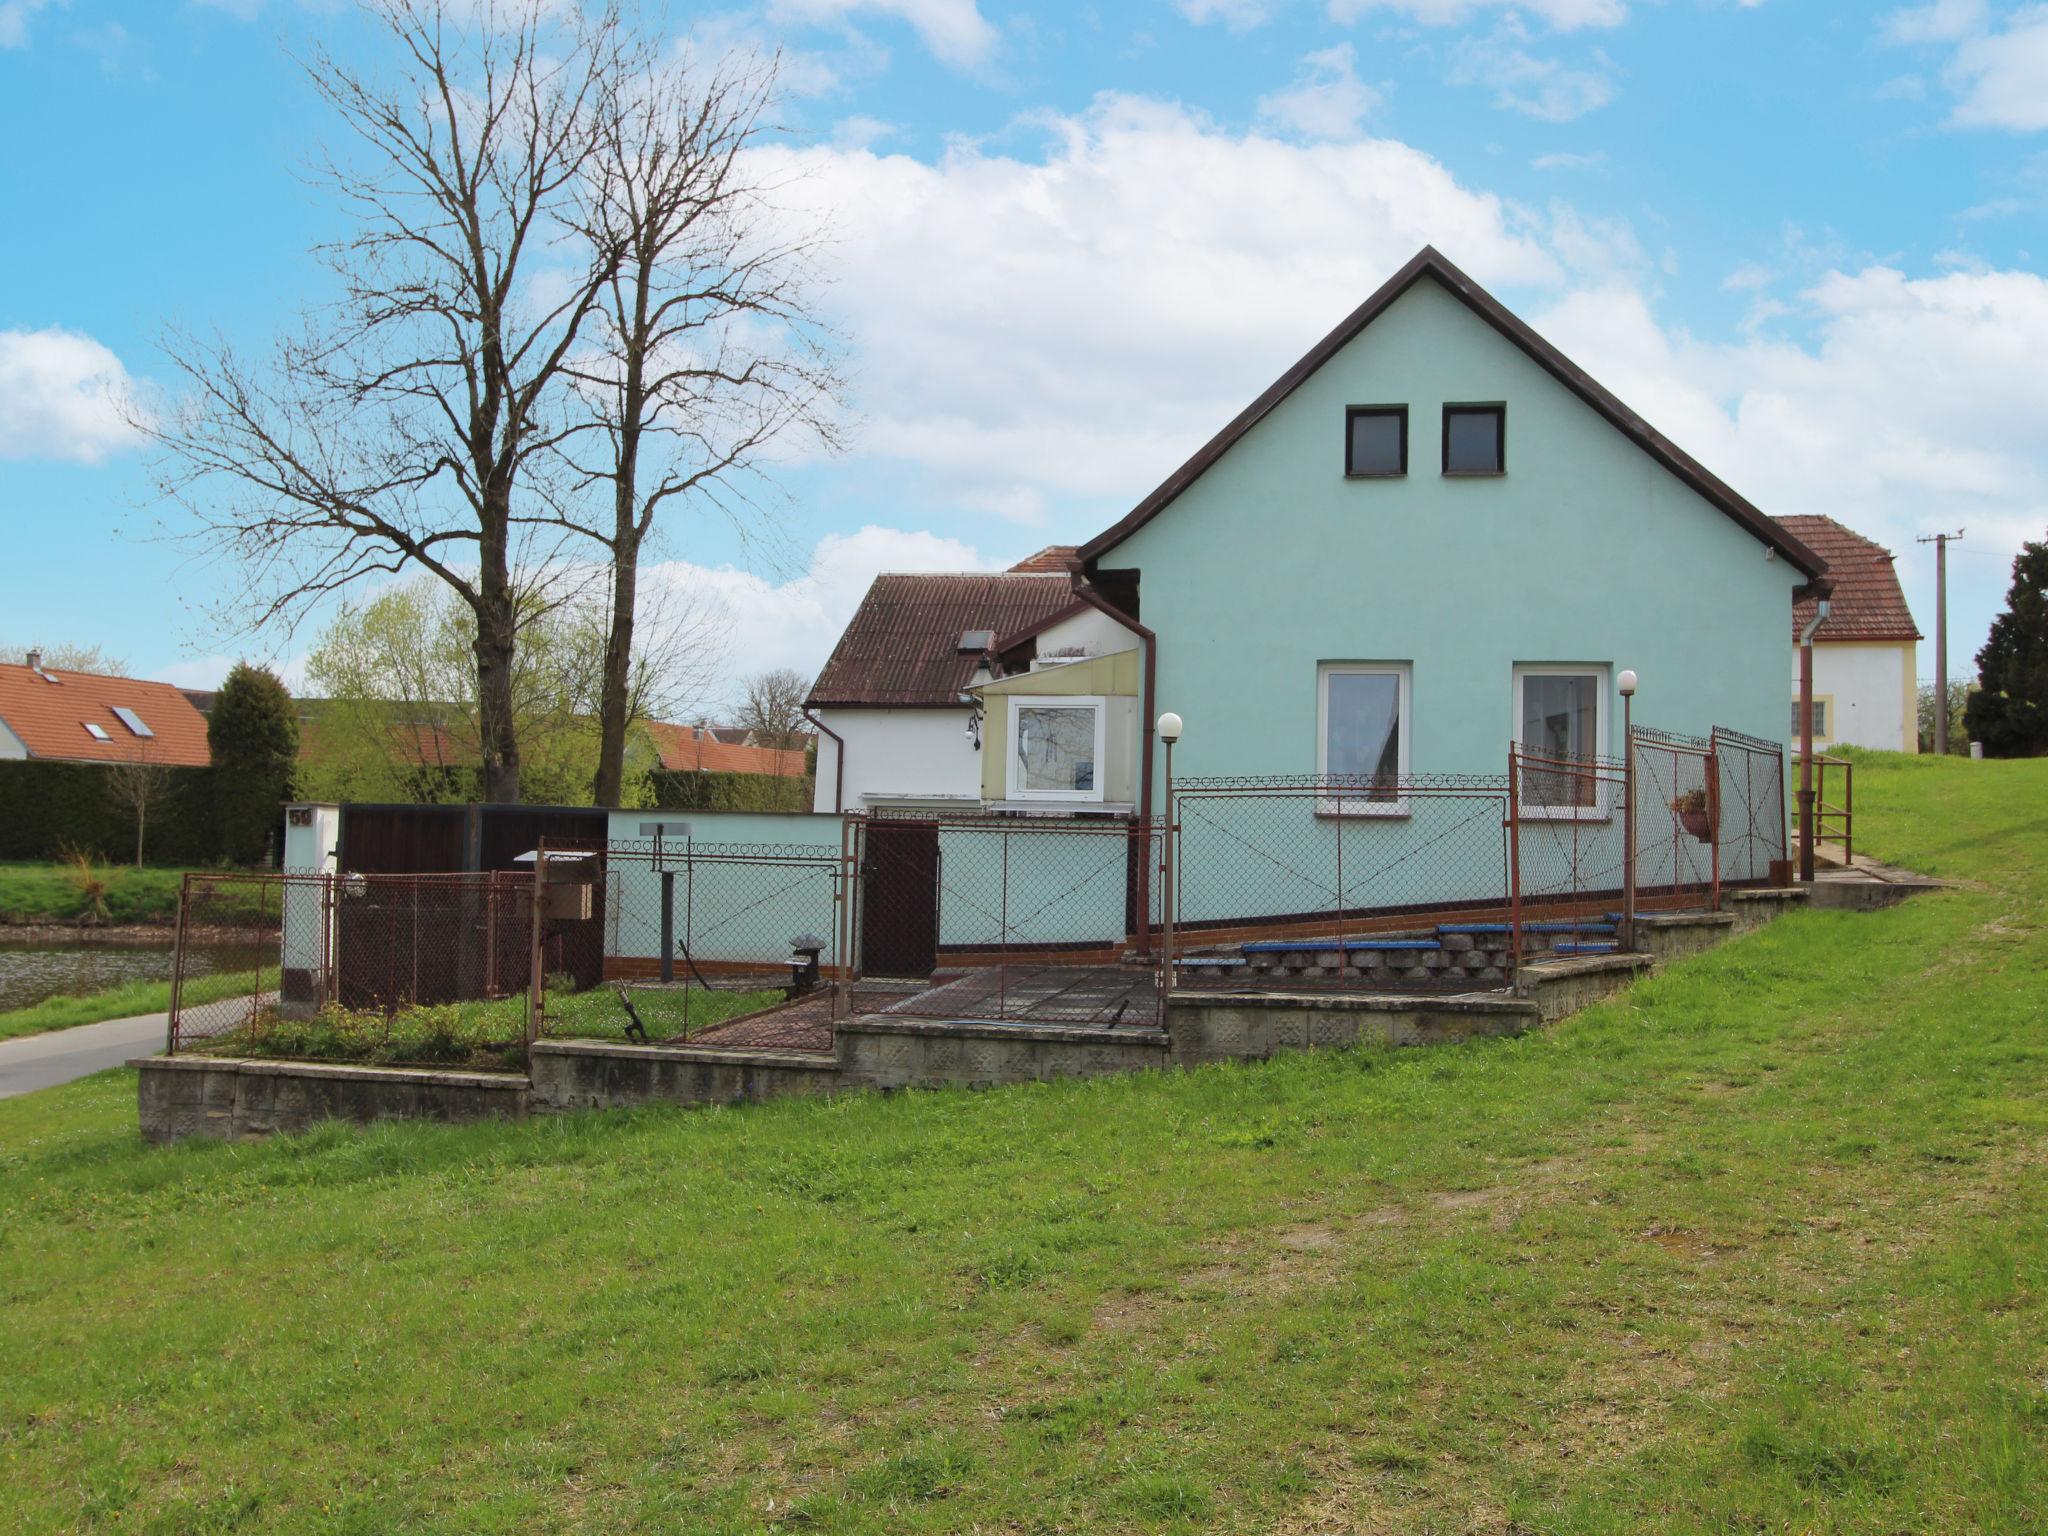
1834,820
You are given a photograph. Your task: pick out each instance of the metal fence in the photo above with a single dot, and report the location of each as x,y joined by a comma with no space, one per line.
1751,826
1677,814
1025,918
358,965
1568,844
687,940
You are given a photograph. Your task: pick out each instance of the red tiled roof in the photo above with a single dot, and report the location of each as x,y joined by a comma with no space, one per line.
902,648
1867,603
685,748
1054,557
50,718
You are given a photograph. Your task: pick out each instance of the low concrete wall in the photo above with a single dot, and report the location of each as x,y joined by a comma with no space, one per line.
1753,909
594,1074
229,1099
884,1052
1236,1026
1671,935
1565,985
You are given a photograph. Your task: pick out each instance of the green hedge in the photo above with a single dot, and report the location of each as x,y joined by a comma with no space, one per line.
44,805
684,790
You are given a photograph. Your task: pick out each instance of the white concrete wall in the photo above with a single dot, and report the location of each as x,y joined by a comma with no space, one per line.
312,848
1872,693
11,745
894,754
1092,631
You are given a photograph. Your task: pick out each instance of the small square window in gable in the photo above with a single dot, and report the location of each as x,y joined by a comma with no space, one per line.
1376,441
1475,439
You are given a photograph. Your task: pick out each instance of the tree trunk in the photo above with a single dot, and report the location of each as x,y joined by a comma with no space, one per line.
140,813
497,626
615,689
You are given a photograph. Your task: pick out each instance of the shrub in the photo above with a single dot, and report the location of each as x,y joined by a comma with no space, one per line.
253,734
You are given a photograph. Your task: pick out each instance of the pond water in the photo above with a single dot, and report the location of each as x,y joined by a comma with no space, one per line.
30,972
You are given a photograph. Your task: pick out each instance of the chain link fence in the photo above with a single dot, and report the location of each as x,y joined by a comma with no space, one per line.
1009,918
1678,850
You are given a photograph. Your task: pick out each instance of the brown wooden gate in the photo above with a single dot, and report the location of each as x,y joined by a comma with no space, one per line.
899,898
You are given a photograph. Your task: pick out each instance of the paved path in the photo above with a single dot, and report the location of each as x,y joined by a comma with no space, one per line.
43,1061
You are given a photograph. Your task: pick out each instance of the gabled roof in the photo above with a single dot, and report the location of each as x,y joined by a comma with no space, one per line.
1866,603
1429,262
689,748
51,718
902,648
1054,557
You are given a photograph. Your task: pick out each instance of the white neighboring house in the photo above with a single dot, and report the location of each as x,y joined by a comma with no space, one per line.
900,726
1865,681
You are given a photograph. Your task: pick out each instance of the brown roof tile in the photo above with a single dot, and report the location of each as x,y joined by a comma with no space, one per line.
1867,603
902,647
50,718
1054,557
685,748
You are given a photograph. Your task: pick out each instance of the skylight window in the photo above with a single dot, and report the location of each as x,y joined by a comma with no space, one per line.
96,731
133,721
977,639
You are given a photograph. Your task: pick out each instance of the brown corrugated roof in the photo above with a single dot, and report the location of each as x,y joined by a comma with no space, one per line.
50,718
1054,557
1429,262
1867,603
902,648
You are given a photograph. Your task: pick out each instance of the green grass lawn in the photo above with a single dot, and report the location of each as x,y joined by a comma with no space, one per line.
47,893
1758,1246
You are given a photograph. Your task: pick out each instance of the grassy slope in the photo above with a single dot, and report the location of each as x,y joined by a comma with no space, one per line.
1757,1246
46,893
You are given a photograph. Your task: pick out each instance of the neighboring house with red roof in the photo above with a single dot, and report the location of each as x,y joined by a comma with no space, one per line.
900,701
1865,674
83,717
709,749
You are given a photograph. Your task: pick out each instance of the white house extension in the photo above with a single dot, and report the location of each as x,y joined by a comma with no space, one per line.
1865,685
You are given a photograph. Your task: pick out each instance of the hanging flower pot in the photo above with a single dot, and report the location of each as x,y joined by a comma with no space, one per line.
1691,810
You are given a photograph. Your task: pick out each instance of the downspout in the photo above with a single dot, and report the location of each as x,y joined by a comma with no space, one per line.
1149,728
838,759
1820,614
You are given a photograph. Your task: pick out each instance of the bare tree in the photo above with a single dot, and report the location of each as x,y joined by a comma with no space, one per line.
68,658
407,425
137,784
773,707
705,351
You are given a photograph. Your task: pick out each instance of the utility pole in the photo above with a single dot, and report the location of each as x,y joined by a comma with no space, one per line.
1940,543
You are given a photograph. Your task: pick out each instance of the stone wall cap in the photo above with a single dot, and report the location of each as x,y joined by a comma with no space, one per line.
721,1055
1770,893
1684,919
984,1029
250,1066
1357,1002
1584,965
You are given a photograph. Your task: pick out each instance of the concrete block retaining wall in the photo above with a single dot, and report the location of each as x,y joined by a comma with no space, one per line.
202,1096
180,1097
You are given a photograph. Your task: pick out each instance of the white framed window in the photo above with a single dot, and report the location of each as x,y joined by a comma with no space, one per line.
1056,747
1362,713
1561,714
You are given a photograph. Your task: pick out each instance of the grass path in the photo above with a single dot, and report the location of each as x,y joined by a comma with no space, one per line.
1757,1246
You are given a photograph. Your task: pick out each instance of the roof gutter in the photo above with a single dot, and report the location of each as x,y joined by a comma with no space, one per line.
838,760
1102,605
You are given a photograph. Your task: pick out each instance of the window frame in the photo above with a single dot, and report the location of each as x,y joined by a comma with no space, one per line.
1500,438
1344,805
1824,705
1602,673
1013,789
1351,414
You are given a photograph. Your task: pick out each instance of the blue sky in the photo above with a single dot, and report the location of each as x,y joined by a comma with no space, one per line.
1069,243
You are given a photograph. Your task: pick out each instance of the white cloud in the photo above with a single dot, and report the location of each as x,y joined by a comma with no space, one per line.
212,671
954,30
1916,403
1565,15
14,19
796,623
1327,99
1546,89
2002,77
1564,161
1236,15
1748,277
1051,333
1944,21
62,396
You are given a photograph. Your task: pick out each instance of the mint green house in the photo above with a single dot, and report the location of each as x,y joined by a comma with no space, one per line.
1435,534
